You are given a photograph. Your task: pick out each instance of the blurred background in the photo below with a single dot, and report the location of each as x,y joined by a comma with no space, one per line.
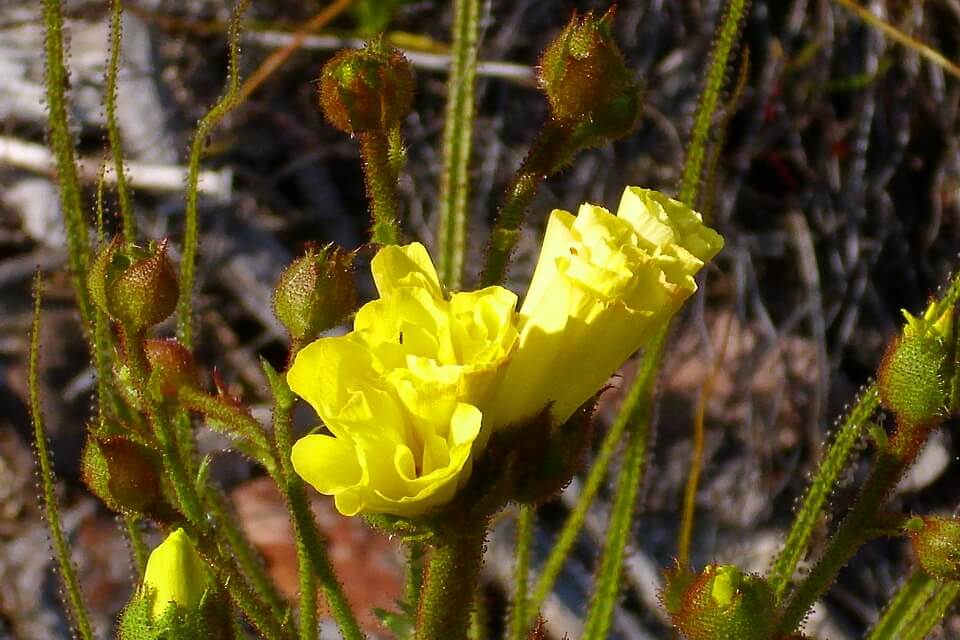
836,187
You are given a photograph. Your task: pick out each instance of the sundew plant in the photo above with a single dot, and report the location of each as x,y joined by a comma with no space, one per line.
446,401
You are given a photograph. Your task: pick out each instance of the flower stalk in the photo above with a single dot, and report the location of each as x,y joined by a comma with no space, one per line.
863,523
381,184
453,572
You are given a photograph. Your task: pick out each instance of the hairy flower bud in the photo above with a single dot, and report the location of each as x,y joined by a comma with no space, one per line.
122,473
369,89
315,293
936,545
584,75
171,366
136,287
912,381
721,602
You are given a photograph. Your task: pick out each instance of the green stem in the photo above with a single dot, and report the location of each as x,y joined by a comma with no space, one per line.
727,37
74,597
247,559
637,412
859,526
903,608
61,143
191,230
138,549
314,564
381,183
113,131
457,141
186,493
552,149
834,461
256,612
450,586
414,578
479,617
235,419
521,601
931,615
294,492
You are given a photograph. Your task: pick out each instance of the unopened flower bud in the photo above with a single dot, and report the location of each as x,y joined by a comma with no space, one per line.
171,366
136,287
584,75
179,598
316,292
912,381
369,89
721,602
176,575
936,545
122,473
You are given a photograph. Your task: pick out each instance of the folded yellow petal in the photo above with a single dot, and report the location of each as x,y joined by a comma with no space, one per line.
399,392
408,265
602,286
415,390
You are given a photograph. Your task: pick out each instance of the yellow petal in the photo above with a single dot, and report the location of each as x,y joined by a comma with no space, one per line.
409,265
662,221
176,574
324,371
411,321
557,241
327,463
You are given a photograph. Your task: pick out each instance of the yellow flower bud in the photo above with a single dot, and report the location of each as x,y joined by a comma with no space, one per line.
400,393
602,286
176,575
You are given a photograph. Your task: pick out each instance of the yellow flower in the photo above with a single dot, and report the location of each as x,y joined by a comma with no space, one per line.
400,393
602,286
176,574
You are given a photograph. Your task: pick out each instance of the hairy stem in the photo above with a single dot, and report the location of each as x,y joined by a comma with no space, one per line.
381,182
552,149
71,585
246,557
313,563
138,548
834,462
859,526
638,413
457,141
294,492
727,37
521,601
191,231
449,588
113,131
61,141
912,596
136,360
